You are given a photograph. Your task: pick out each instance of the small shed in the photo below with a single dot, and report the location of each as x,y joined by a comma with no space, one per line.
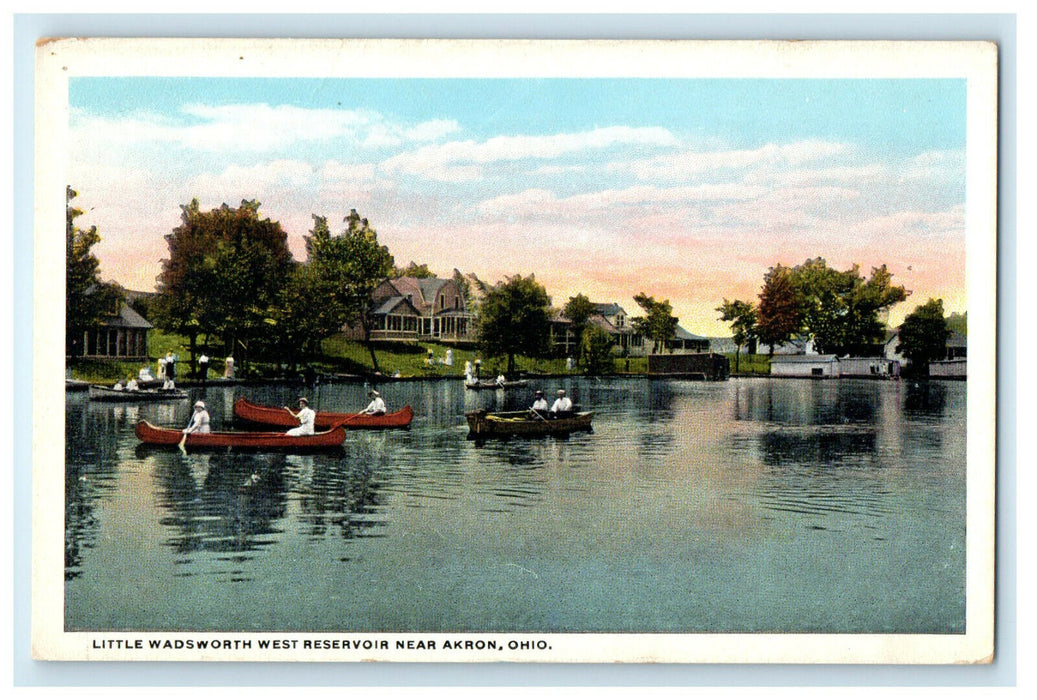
949,369
810,366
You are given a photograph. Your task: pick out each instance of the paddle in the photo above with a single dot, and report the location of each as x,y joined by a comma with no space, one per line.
183,443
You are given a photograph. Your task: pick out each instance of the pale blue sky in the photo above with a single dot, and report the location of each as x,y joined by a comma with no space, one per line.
685,189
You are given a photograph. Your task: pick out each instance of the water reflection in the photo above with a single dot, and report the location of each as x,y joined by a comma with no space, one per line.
684,494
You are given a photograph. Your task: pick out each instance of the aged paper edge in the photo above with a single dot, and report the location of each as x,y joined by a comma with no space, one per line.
60,59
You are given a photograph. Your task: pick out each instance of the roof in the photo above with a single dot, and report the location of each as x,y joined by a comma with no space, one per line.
390,305
681,334
610,309
804,359
126,318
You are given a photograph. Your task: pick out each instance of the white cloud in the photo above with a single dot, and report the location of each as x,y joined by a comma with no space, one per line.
689,163
458,158
256,128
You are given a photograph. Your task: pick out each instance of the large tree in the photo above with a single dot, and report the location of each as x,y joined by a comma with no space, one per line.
838,309
578,310
742,315
779,315
514,318
224,275
88,300
658,324
923,335
347,268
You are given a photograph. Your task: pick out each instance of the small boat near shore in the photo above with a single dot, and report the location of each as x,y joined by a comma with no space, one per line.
476,386
153,435
485,424
104,393
280,418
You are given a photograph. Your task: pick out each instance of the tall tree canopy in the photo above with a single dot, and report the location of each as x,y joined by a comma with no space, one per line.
346,269
838,309
87,299
658,324
413,269
923,335
224,275
514,318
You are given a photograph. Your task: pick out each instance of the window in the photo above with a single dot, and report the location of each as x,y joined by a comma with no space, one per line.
817,371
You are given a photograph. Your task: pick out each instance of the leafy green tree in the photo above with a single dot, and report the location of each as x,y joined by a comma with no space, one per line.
514,318
347,268
959,323
742,315
223,276
414,270
578,310
923,335
596,349
839,310
88,300
658,324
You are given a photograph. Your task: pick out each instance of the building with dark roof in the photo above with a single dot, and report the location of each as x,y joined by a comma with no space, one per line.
415,308
123,335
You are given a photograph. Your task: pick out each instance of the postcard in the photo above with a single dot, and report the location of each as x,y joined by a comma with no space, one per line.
525,351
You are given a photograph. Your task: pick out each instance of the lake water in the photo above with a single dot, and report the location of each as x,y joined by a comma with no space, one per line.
751,505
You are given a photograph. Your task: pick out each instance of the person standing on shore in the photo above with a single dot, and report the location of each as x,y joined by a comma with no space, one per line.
203,367
305,416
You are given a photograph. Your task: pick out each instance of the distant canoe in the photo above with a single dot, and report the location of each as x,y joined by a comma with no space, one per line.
153,435
278,417
517,384
104,393
485,424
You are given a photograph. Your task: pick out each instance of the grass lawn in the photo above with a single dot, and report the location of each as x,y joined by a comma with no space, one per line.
751,364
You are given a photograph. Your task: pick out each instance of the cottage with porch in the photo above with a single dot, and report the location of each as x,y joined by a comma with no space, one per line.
123,336
413,309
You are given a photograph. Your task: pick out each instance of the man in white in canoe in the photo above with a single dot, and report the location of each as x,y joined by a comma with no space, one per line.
562,406
199,421
305,416
376,407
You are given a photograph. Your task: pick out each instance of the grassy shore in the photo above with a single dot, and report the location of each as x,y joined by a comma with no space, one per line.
340,355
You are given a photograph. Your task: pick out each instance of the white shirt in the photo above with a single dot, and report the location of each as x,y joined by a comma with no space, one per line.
306,416
199,422
131,385
562,403
376,406
540,404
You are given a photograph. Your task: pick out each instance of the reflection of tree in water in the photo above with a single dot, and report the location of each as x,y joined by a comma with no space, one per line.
814,472
90,474
344,493
923,399
228,508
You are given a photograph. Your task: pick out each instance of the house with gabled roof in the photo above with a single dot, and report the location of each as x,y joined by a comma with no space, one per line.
418,308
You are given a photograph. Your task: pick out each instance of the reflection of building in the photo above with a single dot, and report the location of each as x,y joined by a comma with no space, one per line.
413,308
122,335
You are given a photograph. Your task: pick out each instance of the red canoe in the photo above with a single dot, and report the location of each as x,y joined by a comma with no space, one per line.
278,417
153,435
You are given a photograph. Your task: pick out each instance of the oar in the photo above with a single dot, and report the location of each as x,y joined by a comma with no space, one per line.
183,443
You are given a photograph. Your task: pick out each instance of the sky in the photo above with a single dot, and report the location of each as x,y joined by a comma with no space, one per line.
687,190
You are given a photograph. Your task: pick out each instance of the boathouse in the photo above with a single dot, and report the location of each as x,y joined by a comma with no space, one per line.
810,366
706,365
949,369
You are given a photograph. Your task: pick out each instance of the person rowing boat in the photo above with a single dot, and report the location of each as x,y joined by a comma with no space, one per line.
305,416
